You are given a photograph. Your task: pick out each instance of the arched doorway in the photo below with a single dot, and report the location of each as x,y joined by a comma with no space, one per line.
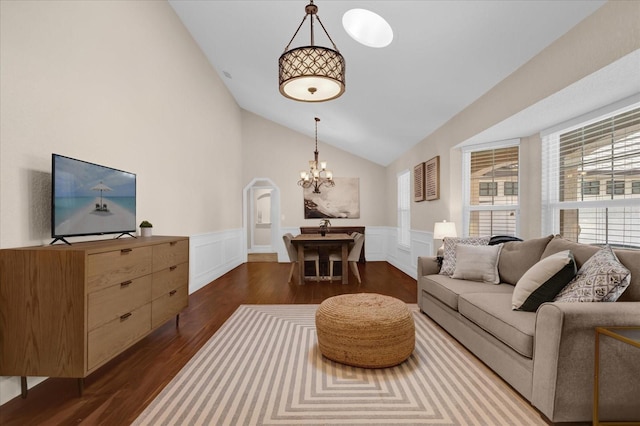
261,217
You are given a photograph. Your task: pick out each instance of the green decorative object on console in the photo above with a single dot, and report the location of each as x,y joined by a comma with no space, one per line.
145,228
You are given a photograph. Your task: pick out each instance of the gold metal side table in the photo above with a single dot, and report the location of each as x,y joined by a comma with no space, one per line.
628,335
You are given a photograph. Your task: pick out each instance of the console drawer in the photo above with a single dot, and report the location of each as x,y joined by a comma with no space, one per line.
169,305
170,254
110,303
116,335
114,267
170,279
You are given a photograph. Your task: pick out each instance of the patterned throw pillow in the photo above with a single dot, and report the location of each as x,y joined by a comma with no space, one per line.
449,255
602,278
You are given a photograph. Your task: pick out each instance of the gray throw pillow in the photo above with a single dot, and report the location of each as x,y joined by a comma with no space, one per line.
602,278
543,281
477,263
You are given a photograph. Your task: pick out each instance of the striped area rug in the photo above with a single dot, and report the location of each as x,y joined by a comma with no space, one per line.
263,367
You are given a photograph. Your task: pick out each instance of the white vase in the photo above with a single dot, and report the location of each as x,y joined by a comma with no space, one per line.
146,232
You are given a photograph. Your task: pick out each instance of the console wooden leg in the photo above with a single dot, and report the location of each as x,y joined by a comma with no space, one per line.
177,320
80,386
23,387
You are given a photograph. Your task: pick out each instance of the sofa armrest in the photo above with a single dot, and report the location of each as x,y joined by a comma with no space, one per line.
428,265
563,358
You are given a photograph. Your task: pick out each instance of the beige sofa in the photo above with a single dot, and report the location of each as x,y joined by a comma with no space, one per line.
548,355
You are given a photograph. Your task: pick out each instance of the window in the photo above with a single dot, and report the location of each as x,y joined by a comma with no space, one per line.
488,189
615,187
591,187
511,188
487,210
404,212
575,160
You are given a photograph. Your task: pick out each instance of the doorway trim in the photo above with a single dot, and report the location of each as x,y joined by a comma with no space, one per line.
264,183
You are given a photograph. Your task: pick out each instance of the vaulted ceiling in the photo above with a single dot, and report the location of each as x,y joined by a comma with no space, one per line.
444,56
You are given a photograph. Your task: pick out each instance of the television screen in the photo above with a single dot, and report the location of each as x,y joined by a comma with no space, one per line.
89,199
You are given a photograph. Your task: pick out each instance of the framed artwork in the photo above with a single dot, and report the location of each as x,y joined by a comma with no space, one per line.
341,201
418,183
432,179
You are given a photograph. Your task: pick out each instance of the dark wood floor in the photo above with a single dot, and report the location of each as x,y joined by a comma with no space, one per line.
119,391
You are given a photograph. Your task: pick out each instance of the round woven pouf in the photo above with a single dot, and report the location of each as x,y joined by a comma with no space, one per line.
365,330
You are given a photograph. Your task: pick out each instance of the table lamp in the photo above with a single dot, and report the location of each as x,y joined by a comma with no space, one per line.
441,230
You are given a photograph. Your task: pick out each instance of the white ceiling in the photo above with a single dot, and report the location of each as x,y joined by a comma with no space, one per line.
444,56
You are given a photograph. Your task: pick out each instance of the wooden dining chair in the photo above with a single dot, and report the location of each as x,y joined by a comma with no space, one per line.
310,255
352,259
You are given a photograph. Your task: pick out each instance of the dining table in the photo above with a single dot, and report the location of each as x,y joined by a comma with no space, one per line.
317,240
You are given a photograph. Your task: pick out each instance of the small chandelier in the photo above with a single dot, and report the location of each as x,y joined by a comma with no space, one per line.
318,174
311,73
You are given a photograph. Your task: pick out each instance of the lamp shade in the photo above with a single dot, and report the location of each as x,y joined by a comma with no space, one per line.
444,229
311,74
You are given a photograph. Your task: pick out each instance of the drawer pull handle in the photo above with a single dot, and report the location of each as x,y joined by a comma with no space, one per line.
172,268
125,284
125,316
125,251
173,243
172,292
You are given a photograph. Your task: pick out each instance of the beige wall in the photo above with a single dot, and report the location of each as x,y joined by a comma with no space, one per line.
279,154
604,37
119,83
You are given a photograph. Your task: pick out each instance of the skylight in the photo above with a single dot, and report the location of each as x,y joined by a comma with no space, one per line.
367,28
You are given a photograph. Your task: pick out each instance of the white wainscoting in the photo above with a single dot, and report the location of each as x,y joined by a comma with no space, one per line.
406,258
213,255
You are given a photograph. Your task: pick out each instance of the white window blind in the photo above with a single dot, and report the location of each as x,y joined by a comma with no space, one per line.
404,212
491,194
591,178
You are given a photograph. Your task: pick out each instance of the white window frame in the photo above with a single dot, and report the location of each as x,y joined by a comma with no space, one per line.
467,208
551,204
404,208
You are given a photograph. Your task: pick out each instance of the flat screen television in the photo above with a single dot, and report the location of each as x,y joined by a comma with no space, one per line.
90,199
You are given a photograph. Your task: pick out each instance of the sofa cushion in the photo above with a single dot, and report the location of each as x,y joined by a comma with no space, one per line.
449,254
543,281
517,257
493,313
582,252
477,263
447,289
602,278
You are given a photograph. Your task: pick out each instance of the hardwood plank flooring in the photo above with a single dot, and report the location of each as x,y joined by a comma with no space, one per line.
118,392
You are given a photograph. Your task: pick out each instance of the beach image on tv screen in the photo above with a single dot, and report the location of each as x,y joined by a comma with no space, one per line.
92,199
